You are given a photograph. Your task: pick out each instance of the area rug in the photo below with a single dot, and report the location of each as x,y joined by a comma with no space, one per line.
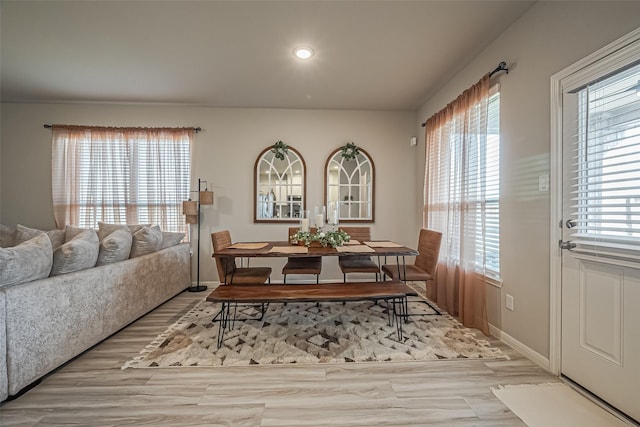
555,404
307,333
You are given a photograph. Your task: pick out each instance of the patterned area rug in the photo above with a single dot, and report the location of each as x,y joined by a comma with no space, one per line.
304,333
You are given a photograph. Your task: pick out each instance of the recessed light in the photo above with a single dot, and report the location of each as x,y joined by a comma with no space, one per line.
303,52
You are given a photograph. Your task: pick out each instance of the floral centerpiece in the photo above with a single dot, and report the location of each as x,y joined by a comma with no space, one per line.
333,238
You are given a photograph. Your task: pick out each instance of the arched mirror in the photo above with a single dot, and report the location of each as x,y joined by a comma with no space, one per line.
280,180
349,180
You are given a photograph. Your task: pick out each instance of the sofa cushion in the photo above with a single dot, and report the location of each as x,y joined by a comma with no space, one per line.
23,234
30,260
145,241
7,236
104,229
79,252
170,238
115,247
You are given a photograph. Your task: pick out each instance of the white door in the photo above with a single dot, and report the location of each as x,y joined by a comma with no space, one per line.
600,344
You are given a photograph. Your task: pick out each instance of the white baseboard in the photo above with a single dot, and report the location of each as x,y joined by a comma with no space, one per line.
526,351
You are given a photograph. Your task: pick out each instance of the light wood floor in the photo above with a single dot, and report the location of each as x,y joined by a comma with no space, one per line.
92,390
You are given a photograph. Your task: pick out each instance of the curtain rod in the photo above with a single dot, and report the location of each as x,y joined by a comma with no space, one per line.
502,66
196,129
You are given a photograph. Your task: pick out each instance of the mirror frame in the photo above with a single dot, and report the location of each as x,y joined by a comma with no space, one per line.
256,174
373,185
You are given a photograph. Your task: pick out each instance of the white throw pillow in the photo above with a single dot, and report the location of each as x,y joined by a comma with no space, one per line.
28,261
7,236
145,241
23,234
104,229
170,238
78,253
115,247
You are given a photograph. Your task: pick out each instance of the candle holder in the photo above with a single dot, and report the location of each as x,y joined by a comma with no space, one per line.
332,214
304,220
319,213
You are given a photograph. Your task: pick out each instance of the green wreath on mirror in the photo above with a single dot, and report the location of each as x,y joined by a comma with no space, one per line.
279,150
350,151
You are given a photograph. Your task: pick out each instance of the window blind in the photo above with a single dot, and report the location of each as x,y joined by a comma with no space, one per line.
605,183
121,175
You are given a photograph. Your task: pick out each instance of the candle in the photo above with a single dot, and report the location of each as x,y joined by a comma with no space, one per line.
304,224
333,216
319,220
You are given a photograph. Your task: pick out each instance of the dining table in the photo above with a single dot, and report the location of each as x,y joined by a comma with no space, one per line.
284,248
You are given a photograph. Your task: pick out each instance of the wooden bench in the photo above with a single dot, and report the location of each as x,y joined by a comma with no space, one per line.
394,291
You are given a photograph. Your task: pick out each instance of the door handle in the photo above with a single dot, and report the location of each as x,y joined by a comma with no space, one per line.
571,223
566,245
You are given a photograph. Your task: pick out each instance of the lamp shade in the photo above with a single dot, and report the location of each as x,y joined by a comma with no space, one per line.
190,207
191,219
206,197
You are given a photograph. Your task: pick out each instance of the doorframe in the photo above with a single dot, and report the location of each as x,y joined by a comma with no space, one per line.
610,51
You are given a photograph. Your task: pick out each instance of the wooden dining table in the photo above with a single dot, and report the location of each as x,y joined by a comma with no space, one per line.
286,249
274,249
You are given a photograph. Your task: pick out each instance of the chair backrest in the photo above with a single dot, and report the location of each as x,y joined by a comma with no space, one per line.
429,250
362,234
222,240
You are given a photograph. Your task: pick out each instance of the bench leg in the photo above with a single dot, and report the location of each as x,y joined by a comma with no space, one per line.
399,307
222,323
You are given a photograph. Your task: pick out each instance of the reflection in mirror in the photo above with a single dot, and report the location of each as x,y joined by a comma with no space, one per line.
280,192
351,184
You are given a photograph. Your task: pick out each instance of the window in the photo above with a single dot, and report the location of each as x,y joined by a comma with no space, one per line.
490,251
121,176
607,182
462,180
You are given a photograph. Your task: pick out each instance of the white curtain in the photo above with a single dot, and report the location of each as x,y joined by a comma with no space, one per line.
120,175
454,203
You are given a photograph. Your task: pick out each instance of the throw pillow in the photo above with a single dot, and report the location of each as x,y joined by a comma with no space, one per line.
115,247
170,238
23,234
57,238
7,236
28,261
145,241
105,229
78,253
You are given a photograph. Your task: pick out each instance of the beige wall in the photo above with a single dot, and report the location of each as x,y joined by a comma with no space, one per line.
548,38
225,154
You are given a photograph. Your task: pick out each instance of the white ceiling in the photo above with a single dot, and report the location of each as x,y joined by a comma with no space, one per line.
371,55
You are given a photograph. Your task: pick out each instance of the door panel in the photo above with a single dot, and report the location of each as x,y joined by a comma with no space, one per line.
601,310
598,351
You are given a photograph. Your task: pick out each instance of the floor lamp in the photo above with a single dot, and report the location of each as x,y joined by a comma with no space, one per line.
191,209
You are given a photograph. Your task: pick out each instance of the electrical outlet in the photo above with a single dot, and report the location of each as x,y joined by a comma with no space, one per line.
509,302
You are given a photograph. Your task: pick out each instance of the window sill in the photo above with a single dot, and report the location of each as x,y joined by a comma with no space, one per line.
497,283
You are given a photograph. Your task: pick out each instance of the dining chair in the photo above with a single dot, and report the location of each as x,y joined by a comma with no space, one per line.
228,271
302,265
358,263
424,267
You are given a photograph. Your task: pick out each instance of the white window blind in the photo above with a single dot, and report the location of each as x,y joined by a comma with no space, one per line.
121,175
490,159
605,187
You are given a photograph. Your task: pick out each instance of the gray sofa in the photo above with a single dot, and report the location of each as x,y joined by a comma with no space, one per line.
46,322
